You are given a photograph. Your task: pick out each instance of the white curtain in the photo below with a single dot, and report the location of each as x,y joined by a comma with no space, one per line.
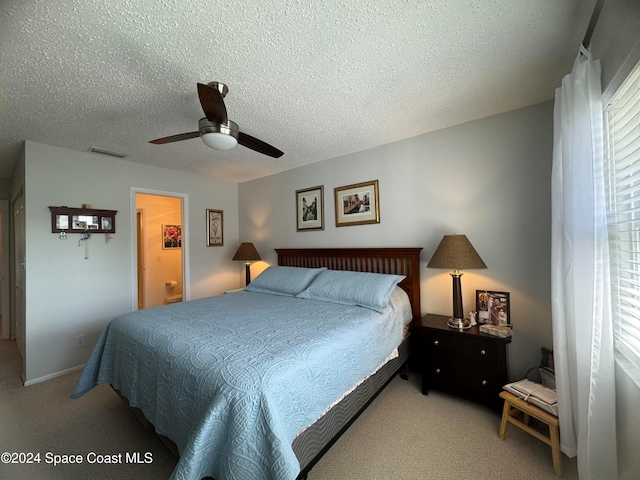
581,305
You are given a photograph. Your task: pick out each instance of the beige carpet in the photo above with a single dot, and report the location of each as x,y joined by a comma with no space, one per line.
402,435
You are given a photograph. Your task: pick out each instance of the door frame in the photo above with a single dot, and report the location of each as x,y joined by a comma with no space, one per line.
186,269
140,254
18,324
5,274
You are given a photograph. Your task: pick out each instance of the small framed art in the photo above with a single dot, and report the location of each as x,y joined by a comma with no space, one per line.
214,228
493,307
310,209
171,236
106,223
357,204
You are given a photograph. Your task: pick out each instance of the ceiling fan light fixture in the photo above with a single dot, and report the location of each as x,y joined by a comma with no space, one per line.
219,141
215,129
219,136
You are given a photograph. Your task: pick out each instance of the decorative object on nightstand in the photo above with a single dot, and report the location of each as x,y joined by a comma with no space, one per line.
467,363
456,252
247,253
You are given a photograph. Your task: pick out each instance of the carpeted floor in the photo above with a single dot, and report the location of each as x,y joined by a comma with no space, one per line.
402,435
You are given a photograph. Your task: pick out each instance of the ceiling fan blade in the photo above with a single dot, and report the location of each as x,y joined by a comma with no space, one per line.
175,138
212,104
258,145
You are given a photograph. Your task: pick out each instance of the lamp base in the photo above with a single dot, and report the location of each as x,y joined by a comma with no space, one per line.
459,323
247,273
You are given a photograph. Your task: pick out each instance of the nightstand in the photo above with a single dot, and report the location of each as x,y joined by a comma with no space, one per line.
466,363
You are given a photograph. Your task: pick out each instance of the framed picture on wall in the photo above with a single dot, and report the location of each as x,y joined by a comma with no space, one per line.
357,204
310,209
493,307
214,228
171,236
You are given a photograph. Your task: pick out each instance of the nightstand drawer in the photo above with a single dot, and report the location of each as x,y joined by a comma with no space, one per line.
472,350
462,379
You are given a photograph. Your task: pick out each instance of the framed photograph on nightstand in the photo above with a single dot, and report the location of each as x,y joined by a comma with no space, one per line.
493,307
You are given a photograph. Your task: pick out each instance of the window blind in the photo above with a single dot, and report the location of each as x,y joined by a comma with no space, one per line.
622,189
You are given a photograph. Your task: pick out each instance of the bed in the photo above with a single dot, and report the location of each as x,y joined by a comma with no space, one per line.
259,384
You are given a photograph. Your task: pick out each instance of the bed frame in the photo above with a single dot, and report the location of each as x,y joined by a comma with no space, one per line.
315,441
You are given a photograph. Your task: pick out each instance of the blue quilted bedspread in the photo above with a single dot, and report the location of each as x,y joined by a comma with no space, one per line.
232,379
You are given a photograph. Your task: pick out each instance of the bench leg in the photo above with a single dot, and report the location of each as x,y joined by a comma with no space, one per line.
503,423
554,436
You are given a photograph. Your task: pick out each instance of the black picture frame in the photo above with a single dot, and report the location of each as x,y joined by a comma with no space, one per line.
310,209
215,228
493,307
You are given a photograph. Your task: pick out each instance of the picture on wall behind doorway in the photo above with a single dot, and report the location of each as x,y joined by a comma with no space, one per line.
171,236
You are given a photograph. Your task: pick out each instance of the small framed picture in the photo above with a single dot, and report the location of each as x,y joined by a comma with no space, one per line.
493,307
106,223
214,228
310,209
171,236
357,204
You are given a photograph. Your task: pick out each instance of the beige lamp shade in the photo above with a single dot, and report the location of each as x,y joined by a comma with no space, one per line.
247,253
455,252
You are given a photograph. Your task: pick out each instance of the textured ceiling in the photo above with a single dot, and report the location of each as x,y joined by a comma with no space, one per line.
316,79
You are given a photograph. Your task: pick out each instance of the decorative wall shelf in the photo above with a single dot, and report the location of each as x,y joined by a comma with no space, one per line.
81,220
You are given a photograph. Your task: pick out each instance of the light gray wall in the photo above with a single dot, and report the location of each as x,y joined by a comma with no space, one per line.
488,179
68,295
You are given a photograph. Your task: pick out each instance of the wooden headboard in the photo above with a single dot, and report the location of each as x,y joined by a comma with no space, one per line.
399,261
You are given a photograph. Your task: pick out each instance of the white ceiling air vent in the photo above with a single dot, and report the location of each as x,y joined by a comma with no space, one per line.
104,151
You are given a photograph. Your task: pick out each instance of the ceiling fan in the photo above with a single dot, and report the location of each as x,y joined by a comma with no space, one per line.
215,129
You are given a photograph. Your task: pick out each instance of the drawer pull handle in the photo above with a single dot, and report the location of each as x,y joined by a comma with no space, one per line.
436,342
483,352
484,382
437,370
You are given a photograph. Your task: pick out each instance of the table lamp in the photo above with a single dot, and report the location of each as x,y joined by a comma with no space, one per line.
456,252
247,253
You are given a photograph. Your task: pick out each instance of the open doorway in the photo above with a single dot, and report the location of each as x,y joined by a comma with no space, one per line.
159,249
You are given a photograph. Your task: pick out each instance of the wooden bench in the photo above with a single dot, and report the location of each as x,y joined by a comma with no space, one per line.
513,406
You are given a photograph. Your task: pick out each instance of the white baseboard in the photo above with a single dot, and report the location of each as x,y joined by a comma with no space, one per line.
53,375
